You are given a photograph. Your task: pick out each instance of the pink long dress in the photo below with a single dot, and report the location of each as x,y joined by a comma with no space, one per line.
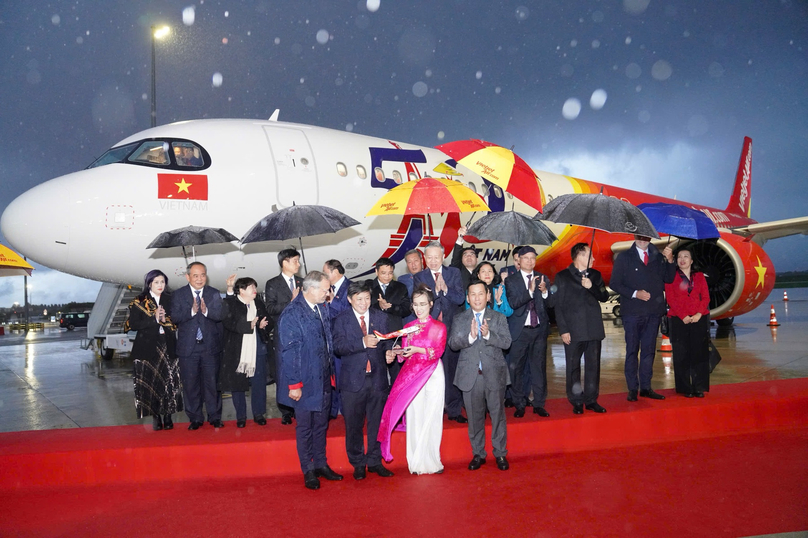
419,393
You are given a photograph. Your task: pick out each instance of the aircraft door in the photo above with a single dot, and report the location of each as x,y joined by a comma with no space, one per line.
295,169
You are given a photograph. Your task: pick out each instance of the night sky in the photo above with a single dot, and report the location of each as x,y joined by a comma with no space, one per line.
683,82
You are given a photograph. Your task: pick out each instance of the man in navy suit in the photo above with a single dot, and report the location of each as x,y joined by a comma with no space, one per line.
392,298
279,292
464,258
197,311
639,276
337,300
529,326
414,266
363,382
306,372
447,287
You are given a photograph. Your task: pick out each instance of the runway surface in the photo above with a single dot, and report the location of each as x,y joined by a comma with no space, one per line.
47,381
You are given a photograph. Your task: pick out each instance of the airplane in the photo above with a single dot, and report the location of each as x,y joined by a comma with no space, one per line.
230,173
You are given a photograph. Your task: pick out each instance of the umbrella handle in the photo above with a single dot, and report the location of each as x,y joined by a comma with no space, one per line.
303,254
470,219
590,251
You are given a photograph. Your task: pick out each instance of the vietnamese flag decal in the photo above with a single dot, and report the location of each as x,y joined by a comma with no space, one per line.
182,186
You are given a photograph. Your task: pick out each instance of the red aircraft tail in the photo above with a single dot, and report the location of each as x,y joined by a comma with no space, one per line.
739,202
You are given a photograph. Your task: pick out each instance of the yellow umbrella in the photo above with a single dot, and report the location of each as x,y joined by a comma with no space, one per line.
12,264
428,195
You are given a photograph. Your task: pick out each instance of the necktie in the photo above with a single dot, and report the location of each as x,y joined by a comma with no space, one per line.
645,257
534,317
317,313
479,335
384,289
292,284
364,328
198,301
440,314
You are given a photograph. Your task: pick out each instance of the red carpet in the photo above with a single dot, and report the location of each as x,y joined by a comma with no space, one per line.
732,464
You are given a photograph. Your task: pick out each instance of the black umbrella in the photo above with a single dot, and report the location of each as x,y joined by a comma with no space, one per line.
298,221
512,227
190,236
598,212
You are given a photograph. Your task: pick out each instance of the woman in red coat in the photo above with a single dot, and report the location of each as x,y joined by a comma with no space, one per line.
689,318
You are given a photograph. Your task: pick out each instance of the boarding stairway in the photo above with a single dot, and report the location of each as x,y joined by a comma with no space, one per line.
108,315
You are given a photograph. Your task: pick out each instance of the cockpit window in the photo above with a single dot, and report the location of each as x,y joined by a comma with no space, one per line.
151,152
115,155
187,154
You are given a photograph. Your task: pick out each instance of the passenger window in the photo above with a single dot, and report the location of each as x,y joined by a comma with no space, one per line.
397,177
342,170
510,196
484,189
472,186
412,176
379,174
497,192
187,154
151,152
361,172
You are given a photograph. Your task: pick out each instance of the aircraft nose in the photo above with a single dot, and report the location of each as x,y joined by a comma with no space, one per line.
37,224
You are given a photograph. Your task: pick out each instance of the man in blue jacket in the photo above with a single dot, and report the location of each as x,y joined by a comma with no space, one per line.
307,371
639,276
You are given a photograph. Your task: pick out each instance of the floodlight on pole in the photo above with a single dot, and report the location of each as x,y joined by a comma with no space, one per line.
156,33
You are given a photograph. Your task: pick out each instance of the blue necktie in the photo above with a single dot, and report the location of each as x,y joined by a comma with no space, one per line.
198,328
479,334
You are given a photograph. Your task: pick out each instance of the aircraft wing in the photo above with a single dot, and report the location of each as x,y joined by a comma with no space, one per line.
773,229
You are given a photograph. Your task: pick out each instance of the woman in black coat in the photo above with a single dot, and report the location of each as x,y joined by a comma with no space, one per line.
158,391
246,330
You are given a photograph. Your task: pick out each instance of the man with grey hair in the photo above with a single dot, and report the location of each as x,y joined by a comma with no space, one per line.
414,266
447,287
307,371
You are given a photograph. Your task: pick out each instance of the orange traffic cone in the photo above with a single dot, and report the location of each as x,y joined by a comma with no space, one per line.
785,296
666,345
773,319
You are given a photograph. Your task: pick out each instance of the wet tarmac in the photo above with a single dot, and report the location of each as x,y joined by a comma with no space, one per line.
48,381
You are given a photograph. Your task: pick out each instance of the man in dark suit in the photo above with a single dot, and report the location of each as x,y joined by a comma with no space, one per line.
529,326
392,298
579,291
639,276
481,335
197,311
337,300
363,382
279,292
306,372
414,266
447,288
511,269
464,258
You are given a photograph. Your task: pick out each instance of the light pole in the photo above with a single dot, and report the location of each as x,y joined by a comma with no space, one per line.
156,33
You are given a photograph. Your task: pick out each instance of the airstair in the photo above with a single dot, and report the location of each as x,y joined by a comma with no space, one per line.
105,326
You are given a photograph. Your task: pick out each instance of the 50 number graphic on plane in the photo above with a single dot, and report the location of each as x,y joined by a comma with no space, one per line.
229,173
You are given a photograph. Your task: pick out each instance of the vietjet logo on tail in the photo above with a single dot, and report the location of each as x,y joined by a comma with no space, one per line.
739,203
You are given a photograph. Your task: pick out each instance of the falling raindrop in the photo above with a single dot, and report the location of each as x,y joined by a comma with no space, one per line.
322,37
189,15
217,79
598,99
571,108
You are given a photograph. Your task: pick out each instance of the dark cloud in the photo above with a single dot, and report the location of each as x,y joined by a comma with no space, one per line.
685,82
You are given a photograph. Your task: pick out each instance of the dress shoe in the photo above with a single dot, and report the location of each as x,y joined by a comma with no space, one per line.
688,395
217,423
260,420
327,473
168,424
542,412
194,425
157,423
519,413
502,463
596,407
698,394
476,463
460,419
632,396
286,419
381,470
359,473
311,481
649,393
508,402
578,409
241,423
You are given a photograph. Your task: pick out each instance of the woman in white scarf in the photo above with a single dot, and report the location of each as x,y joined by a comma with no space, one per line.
243,366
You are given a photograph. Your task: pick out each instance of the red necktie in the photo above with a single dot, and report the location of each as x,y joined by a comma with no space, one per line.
364,333
645,257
